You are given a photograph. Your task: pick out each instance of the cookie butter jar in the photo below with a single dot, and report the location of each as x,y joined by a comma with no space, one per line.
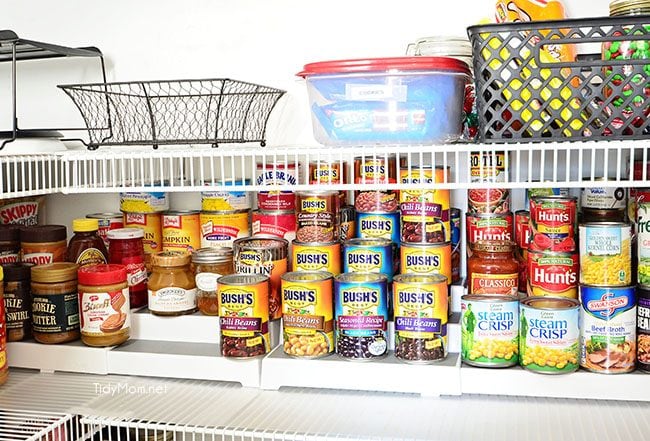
104,305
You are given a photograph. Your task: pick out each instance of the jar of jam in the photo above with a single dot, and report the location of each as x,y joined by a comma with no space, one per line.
127,248
18,300
4,366
55,305
492,268
86,247
171,286
9,243
210,264
43,244
104,305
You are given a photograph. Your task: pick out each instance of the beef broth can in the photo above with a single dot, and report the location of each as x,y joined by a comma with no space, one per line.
608,329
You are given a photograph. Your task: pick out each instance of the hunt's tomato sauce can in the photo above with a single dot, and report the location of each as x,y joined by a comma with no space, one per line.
553,223
483,226
522,229
553,274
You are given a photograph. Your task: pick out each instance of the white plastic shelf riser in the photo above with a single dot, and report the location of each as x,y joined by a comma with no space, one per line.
68,357
387,374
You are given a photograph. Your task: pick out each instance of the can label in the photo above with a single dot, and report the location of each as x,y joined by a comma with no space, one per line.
487,227
488,200
544,191
495,284
420,320
277,175
643,243
424,213
605,254
280,224
104,313
643,329
379,226
373,170
308,317
553,224
553,274
549,339
221,229
522,229
326,173
608,329
146,202
259,261
317,257
455,222
224,200
150,223
244,320
487,167
603,198
181,232
489,332
368,259
426,259
317,217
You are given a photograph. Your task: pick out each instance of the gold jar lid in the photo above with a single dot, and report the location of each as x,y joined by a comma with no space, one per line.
170,258
55,272
493,246
629,7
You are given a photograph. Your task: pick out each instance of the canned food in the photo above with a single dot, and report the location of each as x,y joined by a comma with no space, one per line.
487,227
603,198
376,225
424,213
316,256
348,225
361,314
487,167
222,228
605,254
549,335
643,328
107,222
266,256
375,170
544,191
151,224
488,200
643,243
455,222
244,315
553,274
420,304
280,224
522,229
368,256
553,223
227,200
144,202
307,314
602,215
317,216
181,231
330,172
637,197
608,329
275,175
489,330
426,259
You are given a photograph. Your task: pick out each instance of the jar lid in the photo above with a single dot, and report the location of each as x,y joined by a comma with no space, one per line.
55,272
125,233
385,64
170,258
102,274
10,233
15,272
629,7
43,233
493,246
105,215
212,255
85,225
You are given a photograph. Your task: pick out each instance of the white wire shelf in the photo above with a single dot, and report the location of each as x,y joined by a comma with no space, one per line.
34,426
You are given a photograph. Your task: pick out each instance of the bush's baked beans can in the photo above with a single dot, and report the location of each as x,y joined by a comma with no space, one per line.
522,229
643,243
222,228
348,226
377,225
280,224
549,335
107,222
553,274
227,200
643,328
151,224
274,174
317,216
368,256
608,329
316,256
421,314
328,173
181,231
376,170
244,315
553,221
487,226
489,330
426,259
606,254
455,222
361,315
267,256
308,314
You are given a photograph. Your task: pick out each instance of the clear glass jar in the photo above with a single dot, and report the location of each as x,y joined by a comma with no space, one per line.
493,269
171,286
127,248
208,265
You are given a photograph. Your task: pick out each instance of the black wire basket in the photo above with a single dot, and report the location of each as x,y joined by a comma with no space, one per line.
211,111
523,95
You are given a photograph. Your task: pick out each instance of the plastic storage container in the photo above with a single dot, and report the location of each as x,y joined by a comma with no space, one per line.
402,100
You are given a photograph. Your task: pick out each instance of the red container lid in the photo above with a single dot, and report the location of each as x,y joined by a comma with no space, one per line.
102,274
385,64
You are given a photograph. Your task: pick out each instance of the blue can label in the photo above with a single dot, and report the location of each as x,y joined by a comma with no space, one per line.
379,226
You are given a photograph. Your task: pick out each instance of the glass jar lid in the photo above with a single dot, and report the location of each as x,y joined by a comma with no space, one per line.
170,258
55,272
212,255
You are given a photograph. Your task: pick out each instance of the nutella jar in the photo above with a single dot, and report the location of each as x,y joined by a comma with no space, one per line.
210,264
43,244
55,307
171,285
9,243
17,300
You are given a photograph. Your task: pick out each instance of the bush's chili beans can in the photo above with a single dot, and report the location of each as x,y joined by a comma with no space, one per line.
244,315
181,231
606,254
424,212
348,225
553,222
375,170
361,315
549,335
222,228
643,243
330,172
277,174
107,222
280,224
316,256
267,256
553,274
308,314
643,328
487,226
317,216
608,329
376,225
489,331
455,222
421,314
488,167
368,256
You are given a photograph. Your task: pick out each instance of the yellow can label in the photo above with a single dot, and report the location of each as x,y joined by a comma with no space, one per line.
181,233
244,318
426,260
150,223
221,229
421,310
317,258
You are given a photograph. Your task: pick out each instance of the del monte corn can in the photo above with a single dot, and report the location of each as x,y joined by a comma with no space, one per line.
606,254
